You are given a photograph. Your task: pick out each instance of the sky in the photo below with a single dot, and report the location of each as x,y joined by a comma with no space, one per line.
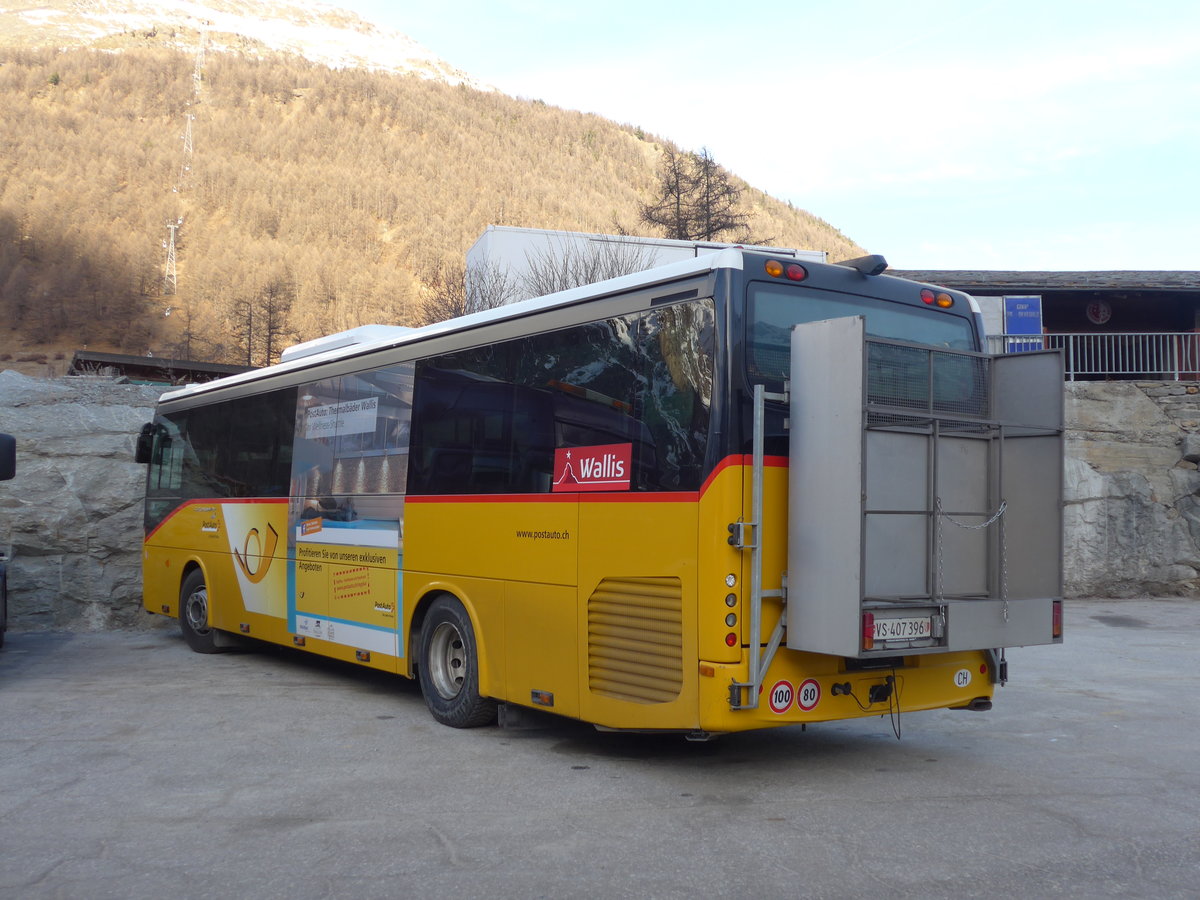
979,134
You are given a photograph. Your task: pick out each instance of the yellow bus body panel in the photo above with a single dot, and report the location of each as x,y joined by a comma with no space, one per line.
798,687
611,608
242,549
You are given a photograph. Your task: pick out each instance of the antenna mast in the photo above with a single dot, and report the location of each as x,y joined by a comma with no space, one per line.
170,281
170,278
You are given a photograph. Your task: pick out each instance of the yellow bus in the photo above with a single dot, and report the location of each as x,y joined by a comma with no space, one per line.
734,492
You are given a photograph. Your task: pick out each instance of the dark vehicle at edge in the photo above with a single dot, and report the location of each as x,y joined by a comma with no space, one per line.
8,468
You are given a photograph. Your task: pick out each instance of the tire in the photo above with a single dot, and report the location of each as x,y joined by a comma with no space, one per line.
193,614
448,667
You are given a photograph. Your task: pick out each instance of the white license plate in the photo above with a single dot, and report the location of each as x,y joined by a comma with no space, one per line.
907,628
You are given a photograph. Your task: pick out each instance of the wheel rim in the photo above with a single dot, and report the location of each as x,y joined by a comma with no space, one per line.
447,660
195,610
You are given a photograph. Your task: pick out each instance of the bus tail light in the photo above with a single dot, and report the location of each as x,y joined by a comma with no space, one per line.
868,631
1056,620
793,271
940,299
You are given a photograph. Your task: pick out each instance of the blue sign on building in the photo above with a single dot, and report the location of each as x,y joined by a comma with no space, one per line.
1023,316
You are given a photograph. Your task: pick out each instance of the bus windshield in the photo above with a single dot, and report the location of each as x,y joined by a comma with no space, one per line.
772,310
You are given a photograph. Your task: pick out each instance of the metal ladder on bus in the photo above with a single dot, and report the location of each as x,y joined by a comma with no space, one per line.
745,694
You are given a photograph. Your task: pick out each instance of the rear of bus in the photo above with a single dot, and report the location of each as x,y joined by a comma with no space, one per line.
899,506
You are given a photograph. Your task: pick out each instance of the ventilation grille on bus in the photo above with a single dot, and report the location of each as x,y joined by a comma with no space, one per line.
635,639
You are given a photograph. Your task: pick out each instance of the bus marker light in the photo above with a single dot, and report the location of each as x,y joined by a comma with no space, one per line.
945,301
731,619
542,698
707,671
244,627
731,639
774,268
166,609
868,631
796,272
362,655
1056,619
298,640
730,580
731,599
927,296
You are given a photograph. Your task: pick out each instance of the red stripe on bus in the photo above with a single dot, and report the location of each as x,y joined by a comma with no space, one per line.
562,497
746,460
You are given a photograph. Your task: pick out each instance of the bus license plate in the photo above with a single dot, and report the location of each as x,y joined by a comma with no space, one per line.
908,628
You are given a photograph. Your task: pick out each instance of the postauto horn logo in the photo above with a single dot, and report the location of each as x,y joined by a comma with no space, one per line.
256,554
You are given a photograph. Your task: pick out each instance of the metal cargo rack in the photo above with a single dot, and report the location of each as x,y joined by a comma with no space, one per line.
925,495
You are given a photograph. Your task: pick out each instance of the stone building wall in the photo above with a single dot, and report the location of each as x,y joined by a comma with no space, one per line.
71,519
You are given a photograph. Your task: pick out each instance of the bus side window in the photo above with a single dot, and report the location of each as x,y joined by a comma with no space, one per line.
643,379
489,420
259,456
166,458
463,436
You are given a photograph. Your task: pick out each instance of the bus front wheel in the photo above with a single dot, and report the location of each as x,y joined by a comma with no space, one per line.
193,614
448,667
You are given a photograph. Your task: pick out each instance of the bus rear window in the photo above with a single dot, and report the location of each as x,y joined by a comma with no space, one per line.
772,310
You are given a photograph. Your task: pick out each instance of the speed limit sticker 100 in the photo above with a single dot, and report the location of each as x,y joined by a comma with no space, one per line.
780,698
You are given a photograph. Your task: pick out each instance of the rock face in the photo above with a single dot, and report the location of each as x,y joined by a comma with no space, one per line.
1132,516
72,518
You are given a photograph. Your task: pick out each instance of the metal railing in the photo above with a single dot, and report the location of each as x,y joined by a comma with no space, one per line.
1152,356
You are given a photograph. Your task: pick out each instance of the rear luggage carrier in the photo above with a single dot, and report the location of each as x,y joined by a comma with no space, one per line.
925,496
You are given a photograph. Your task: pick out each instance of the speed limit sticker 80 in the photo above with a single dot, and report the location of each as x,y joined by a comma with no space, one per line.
806,696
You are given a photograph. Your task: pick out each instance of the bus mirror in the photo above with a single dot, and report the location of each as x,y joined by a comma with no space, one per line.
145,443
8,456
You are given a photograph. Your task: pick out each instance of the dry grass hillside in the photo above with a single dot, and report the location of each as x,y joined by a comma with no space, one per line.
326,197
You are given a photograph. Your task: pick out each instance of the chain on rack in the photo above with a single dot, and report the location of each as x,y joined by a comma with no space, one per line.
998,516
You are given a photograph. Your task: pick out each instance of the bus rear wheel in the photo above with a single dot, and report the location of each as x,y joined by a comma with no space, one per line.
448,667
193,614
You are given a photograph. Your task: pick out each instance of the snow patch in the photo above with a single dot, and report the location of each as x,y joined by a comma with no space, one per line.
318,32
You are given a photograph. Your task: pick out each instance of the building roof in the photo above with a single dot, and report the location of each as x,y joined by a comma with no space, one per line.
1035,282
150,369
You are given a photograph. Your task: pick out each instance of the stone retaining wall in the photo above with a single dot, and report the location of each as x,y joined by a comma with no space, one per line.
1132,516
72,518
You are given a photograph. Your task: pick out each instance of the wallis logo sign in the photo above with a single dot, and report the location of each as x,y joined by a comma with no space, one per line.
603,468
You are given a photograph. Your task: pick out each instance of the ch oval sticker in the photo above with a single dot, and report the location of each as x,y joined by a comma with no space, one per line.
962,678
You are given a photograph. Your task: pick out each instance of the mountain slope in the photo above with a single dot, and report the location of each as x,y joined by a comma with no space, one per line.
303,199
